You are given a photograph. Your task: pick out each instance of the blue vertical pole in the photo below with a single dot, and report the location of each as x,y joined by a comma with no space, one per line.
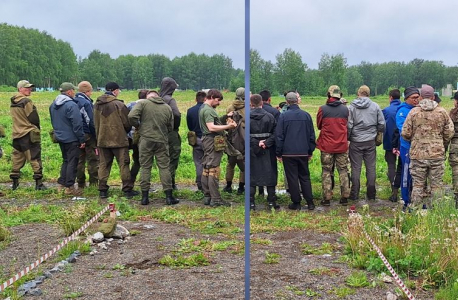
247,149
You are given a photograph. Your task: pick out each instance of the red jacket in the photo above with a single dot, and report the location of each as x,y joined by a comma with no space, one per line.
331,120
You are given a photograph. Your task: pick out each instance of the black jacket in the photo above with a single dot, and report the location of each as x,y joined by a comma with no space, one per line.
267,107
295,135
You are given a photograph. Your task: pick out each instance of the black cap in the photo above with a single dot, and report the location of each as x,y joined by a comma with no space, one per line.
111,86
455,96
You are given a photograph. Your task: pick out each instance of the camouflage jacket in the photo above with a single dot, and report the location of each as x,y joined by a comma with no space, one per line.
428,127
24,116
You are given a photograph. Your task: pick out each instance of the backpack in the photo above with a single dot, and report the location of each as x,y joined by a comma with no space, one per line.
237,135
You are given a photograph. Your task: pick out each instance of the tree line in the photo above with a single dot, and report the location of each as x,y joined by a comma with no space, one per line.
290,72
47,62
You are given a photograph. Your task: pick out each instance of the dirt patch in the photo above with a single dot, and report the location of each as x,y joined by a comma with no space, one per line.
131,270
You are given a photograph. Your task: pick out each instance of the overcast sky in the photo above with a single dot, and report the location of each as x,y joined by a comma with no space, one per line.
169,27
374,31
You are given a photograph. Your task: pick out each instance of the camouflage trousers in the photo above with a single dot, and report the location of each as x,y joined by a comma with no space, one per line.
341,162
453,160
174,152
149,150
89,155
422,171
211,169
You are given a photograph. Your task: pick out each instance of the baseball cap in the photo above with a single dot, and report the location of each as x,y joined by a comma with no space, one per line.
334,91
240,93
24,84
427,92
291,96
66,86
111,86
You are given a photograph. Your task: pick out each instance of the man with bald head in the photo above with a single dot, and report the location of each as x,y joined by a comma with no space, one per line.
428,127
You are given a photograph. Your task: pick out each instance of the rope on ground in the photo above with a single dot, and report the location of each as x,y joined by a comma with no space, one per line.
32,266
385,261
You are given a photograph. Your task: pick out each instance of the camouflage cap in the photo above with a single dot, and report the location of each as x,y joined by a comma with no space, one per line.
334,91
24,84
364,90
66,86
240,93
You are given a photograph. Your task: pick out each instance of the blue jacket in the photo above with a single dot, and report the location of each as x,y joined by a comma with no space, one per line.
390,123
87,112
401,115
294,134
192,119
66,120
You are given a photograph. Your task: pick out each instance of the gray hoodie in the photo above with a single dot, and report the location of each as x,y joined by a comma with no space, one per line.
365,120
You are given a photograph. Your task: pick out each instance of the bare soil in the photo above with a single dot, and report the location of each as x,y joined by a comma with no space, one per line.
99,276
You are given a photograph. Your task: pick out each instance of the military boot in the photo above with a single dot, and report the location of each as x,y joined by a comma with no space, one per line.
145,197
39,186
310,205
207,200
228,187
394,194
325,202
252,204
71,191
15,183
169,199
241,189
174,186
272,202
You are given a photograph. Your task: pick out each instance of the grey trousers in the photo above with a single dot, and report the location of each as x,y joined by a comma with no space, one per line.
197,154
359,152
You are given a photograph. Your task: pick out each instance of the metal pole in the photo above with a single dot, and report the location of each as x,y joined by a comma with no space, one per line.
247,149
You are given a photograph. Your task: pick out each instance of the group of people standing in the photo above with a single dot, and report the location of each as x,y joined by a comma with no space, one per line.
415,135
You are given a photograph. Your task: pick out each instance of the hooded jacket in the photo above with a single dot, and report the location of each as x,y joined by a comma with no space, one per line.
153,118
365,120
24,116
87,112
294,135
111,122
168,86
401,115
66,120
332,120
389,113
428,127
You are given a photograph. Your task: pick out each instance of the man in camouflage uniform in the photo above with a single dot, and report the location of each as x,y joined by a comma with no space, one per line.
168,86
333,144
428,127
453,150
111,127
212,127
154,121
26,135
236,111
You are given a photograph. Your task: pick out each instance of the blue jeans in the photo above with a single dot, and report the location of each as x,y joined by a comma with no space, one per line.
406,178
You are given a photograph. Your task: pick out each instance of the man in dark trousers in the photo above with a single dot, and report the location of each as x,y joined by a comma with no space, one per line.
263,164
295,143
68,128
111,127
89,153
392,160
168,86
195,136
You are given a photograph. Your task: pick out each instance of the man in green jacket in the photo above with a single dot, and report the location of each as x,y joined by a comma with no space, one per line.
153,119
111,127
26,135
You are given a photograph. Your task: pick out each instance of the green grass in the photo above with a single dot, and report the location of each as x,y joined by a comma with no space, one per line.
272,258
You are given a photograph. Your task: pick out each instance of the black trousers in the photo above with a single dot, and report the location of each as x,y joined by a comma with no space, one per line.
70,157
297,173
394,170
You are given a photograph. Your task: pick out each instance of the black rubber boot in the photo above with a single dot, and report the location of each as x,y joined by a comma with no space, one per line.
394,194
241,189
272,202
252,204
15,183
169,199
228,187
145,197
39,186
